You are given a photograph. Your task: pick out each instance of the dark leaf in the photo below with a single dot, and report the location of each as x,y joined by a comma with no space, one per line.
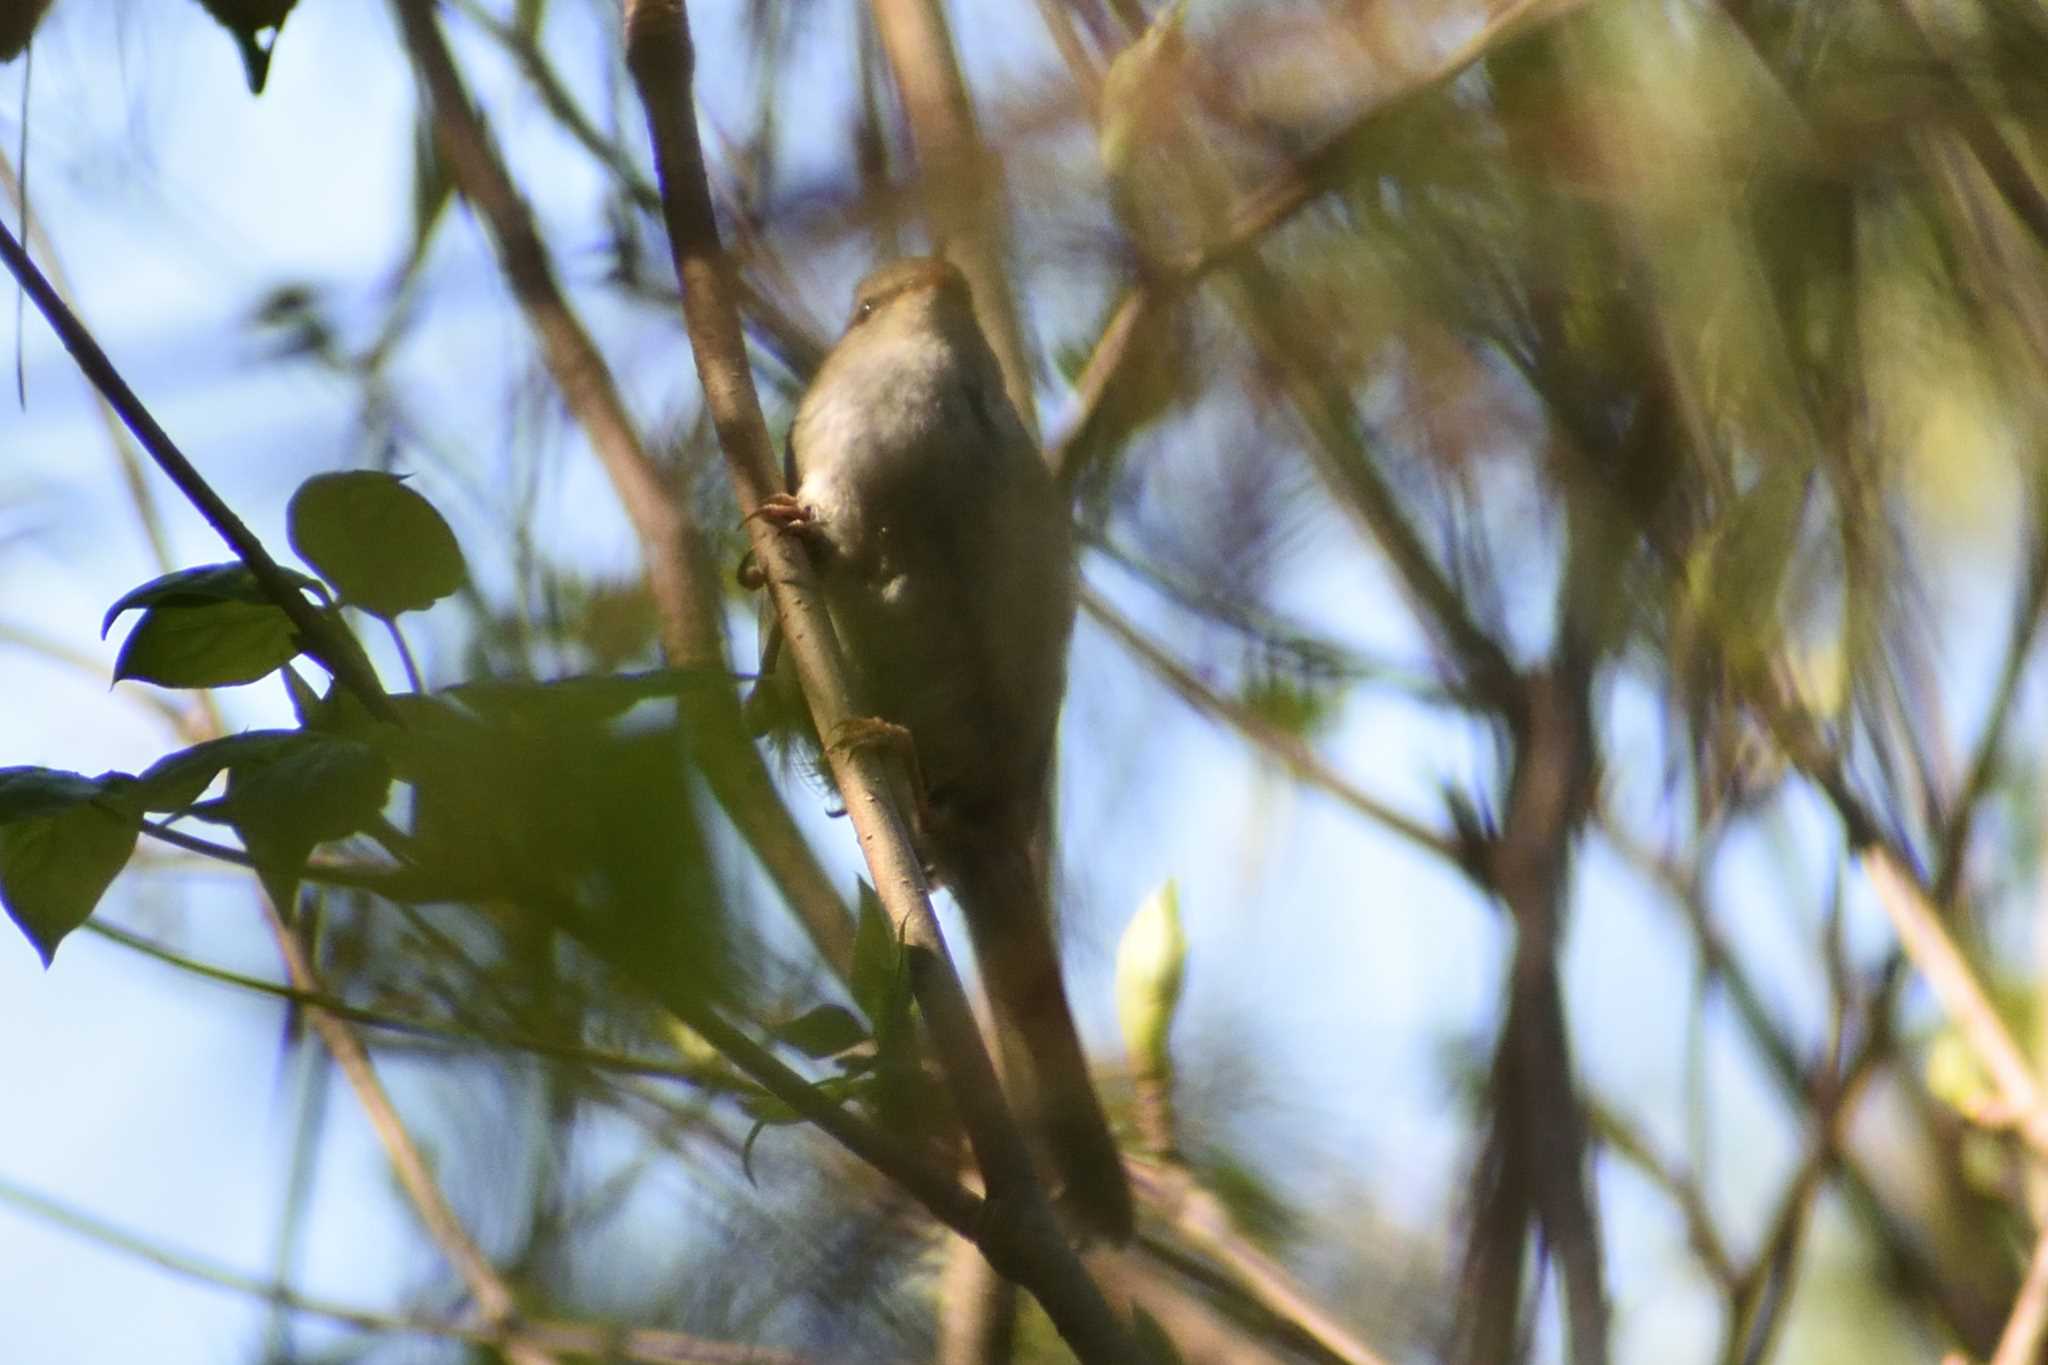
202,586
823,1032
63,839
250,21
877,958
383,547
223,644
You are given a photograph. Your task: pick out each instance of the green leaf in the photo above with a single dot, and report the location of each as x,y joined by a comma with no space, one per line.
63,840
383,547
877,959
201,586
823,1032
295,788
222,644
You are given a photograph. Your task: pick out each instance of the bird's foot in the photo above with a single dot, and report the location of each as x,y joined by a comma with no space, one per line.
858,732
785,513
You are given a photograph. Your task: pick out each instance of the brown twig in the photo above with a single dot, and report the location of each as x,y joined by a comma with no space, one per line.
1203,1222
1963,998
652,1346
321,634
1026,1243
672,546
2020,1343
1621,1136
493,1297
1288,750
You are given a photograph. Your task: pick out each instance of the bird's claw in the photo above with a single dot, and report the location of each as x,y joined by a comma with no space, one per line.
784,512
858,732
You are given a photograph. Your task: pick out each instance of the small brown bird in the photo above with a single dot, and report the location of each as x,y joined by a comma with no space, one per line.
945,554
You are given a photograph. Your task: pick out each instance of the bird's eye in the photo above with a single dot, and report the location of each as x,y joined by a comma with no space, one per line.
863,312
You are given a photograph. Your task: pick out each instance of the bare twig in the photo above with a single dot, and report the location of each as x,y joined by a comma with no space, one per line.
655,1346
494,1299
1204,1223
1620,1135
1288,750
1026,1245
712,1079
2020,1344
1262,210
1963,997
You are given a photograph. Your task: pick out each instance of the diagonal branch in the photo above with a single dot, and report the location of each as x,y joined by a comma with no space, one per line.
1302,762
672,545
649,1345
1026,1244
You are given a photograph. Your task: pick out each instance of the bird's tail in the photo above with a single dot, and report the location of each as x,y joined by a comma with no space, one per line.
1001,890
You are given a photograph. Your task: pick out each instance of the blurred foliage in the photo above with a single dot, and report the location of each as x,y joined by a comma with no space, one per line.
1508,371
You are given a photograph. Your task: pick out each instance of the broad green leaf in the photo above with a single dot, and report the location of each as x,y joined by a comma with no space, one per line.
175,781
26,793
63,840
221,644
289,790
383,547
878,977
200,586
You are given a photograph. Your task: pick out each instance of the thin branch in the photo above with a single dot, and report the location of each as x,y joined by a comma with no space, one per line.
672,545
1963,998
656,1346
1619,1135
1283,748
1204,1222
1955,833
321,635
2020,1343
493,1297
1911,1262
1026,1244
716,1080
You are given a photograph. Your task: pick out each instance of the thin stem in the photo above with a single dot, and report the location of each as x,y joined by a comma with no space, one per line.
412,668
641,1344
1286,749
494,1299
617,1063
2020,1343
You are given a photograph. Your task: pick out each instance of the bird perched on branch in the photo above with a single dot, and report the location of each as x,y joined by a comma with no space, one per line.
944,551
